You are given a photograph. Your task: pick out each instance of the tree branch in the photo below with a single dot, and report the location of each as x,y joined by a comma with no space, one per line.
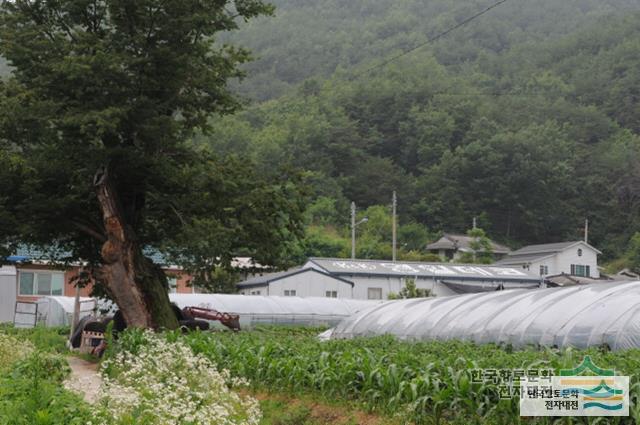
89,231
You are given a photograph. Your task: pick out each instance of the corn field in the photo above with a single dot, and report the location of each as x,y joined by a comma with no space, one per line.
419,383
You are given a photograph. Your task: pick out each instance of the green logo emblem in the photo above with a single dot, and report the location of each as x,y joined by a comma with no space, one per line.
587,364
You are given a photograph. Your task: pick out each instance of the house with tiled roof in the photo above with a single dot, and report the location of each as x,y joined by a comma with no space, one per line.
450,247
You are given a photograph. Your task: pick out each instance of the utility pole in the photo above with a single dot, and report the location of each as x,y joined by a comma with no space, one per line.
393,227
474,228
586,230
353,230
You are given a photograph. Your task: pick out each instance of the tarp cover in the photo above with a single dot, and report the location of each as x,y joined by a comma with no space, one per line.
606,313
276,310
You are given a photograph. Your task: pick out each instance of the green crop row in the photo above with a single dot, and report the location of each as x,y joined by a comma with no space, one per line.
417,382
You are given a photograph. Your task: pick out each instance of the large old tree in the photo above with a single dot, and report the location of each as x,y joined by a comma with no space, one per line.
96,157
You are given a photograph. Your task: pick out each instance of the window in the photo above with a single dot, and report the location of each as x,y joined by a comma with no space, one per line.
173,284
41,283
374,293
544,270
289,292
255,292
579,252
331,294
580,270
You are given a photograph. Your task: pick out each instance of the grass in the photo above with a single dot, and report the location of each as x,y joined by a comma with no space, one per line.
46,339
31,390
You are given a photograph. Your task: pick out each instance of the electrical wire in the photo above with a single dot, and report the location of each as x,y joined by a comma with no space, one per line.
431,40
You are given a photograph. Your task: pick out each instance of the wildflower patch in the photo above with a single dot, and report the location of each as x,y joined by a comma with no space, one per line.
154,381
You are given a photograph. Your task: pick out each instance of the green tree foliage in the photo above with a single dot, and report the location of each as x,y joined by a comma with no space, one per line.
481,250
410,290
94,128
527,117
5,70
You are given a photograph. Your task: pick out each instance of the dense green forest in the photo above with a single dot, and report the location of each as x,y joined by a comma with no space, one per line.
527,118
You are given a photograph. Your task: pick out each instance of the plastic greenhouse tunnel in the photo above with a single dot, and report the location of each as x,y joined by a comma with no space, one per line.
604,314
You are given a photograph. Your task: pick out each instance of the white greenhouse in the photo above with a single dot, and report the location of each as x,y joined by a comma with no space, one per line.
51,311
580,316
262,310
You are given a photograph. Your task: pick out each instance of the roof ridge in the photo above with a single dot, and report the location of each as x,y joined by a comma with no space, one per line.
433,263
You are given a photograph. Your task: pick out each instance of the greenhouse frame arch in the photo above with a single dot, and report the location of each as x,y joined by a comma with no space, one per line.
603,314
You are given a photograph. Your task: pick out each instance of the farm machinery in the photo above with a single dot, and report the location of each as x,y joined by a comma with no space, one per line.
88,334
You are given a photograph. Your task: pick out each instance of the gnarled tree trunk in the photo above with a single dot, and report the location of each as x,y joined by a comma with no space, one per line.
136,285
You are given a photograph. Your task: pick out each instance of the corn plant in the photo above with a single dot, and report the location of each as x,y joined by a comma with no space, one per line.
424,382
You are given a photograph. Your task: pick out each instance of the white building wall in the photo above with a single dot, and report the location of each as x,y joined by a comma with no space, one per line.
550,263
8,293
255,290
393,284
589,257
561,262
310,284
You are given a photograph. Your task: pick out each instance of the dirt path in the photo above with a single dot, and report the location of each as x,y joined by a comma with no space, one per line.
84,378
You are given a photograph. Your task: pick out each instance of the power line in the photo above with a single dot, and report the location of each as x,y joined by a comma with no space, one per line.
431,40
472,94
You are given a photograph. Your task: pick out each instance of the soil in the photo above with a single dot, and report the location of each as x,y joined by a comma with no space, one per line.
323,413
84,379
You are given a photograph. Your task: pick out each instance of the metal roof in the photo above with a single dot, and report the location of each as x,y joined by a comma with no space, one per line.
267,278
550,248
569,280
342,267
469,287
463,243
35,253
32,253
522,259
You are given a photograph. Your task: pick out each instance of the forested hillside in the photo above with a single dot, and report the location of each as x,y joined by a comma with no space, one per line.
527,117
309,38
